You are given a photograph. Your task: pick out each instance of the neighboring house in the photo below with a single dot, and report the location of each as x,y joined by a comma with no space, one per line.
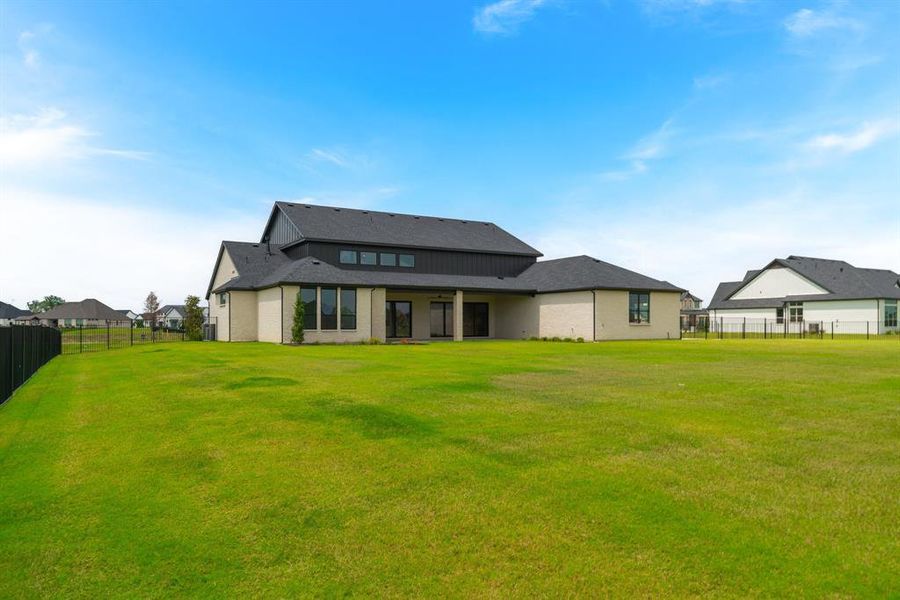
8,313
818,292
173,315
364,274
87,313
152,318
693,316
130,315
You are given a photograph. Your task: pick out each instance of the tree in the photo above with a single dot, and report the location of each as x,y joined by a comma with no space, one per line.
39,306
193,320
151,305
299,316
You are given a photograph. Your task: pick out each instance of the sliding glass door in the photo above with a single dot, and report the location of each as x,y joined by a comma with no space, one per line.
398,319
441,319
475,319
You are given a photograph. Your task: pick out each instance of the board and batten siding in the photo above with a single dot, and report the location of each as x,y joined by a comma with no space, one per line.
444,262
281,230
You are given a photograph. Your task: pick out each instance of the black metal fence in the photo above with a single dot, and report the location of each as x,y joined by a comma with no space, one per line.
741,328
108,335
24,350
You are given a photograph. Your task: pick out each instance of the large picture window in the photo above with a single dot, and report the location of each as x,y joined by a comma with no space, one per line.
779,316
796,312
441,319
308,298
388,259
348,309
348,257
407,260
329,308
639,307
890,314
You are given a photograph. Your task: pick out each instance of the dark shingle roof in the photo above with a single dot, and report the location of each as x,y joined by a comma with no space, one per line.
257,270
331,224
8,311
842,281
585,272
88,308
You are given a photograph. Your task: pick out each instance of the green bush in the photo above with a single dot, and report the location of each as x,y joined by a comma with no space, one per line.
580,340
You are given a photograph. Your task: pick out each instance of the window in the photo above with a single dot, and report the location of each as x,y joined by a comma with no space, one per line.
308,298
222,298
348,309
779,316
796,312
388,259
329,308
639,307
348,257
407,260
890,313
475,319
398,319
368,258
441,319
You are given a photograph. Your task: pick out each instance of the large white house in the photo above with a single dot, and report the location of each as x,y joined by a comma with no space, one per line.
813,294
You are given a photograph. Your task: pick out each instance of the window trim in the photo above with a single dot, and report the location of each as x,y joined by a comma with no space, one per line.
222,297
341,308
779,316
896,309
795,312
639,321
322,315
314,313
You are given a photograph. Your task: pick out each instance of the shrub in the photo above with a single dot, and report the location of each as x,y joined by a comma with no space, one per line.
568,339
555,338
372,341
193,322
297,332
580,340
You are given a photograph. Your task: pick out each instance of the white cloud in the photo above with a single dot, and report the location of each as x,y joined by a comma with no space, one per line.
334,157
807,22
33,140
868,134
111,252
650,147
31,58
505,16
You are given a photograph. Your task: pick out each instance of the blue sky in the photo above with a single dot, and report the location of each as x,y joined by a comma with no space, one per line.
688,139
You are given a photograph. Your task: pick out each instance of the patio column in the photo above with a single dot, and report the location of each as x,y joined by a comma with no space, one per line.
458,316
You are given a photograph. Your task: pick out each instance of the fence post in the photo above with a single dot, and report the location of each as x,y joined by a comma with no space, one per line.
832,330
721,324
764,328
131,333
80,339
107,334
744,329
867,330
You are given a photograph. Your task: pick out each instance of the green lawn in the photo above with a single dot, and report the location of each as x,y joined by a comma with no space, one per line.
92,339
682,468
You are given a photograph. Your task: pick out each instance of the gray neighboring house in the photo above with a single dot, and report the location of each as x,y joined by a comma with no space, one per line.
365,274
802,289
87,313
9,313
173,315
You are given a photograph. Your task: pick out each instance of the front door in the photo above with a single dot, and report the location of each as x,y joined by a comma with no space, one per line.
398,319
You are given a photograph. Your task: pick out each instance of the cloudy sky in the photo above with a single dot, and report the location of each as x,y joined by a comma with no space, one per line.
690,140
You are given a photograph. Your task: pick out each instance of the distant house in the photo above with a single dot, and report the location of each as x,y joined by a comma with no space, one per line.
173,315
87,313
130,314
8,313
364,274
693,316
821,293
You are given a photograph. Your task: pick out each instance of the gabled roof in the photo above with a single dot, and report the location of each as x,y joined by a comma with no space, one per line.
88,308
686,294
842,280
8,311
588,273
354,226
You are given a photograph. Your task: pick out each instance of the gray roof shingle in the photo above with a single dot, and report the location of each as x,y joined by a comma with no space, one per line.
88,308
258,270
8,311
842,280
332,224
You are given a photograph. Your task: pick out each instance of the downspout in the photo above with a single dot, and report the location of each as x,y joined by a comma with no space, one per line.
229,316
281,287
594,294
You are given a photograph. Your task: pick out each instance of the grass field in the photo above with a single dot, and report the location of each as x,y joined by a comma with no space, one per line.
683,468
91,339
